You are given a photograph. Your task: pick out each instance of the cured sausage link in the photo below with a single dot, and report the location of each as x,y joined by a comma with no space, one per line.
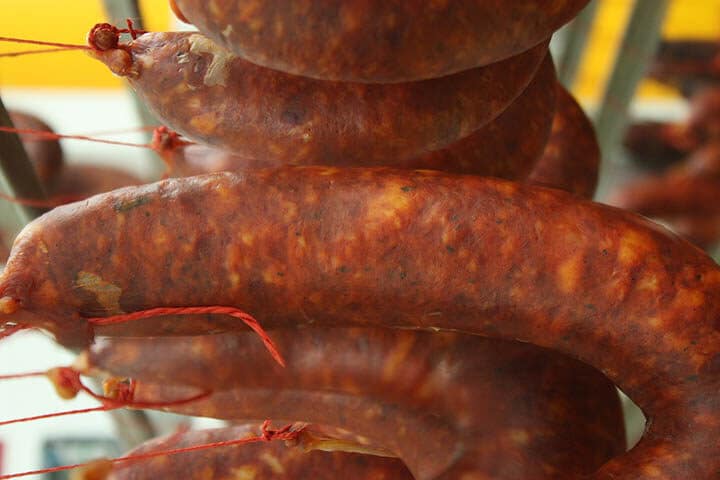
213,97
402,249
571,160
506,147
378,41
489,391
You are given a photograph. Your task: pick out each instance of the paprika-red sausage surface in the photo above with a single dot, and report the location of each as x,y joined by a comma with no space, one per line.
213,97
515,409
572,156
378,41
507,147
398,248
255,461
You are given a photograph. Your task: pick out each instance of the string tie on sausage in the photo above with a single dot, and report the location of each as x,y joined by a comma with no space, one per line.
104,36
249,320
120,393
165,140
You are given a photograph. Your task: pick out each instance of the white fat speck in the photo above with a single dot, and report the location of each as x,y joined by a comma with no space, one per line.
146,60
183,58
219,68
228,31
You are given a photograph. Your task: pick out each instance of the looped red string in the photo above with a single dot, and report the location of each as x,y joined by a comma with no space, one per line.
249,320
68,380
131,29
267,435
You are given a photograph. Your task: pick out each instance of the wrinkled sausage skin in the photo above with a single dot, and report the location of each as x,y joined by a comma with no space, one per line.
507,147
378,41
572,156
403,249
564,415
256,461
216,98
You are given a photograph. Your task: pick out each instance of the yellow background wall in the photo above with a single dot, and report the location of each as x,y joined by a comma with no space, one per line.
66,21
69,21
685,19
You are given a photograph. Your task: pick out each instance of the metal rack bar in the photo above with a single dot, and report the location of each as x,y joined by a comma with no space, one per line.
636,50
576,37
117,12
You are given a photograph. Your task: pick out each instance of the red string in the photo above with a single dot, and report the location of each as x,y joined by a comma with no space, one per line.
104,36
58,136
15,376
67,378
212,310
121,131
164,141
286,433
131,29
31,52
47,44
123,393
103,408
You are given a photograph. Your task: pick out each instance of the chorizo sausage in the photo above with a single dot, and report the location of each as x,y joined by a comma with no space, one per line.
507,147
658,144
704,118
213,97
681,198
689,188
487,391
663,143
378,41
258,461
572,156
657,196
45,155
687,64
397,248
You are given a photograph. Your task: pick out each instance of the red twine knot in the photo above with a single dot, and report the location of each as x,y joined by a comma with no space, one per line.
165,140
104,36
